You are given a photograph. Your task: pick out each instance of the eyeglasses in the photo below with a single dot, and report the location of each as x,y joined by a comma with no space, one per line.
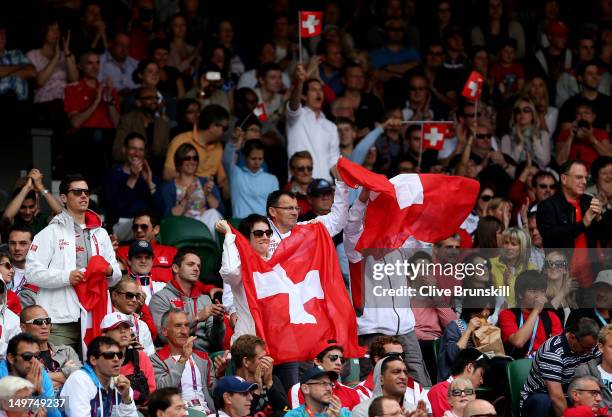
547,186
460,392
334,358
194,158
27,356
79,192
555,264
111,355
289,208
486,198
7,265
40,321
593,392
136,227
519,110
484,135
221,125
260,233
128,295
303,169
324,384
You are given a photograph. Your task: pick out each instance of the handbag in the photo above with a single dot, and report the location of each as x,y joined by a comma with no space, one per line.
138,382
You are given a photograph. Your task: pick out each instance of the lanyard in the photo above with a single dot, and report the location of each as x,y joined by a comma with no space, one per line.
601,318
308,411
533,335
147,278
194,381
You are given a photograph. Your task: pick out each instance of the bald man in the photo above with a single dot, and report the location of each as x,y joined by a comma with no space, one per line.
479,408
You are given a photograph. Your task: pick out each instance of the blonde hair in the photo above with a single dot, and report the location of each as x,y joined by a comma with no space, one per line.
527,91
519,235
466,383
604,333
568,284
534,114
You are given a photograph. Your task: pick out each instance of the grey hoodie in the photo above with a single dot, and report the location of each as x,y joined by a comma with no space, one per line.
414,393
590,369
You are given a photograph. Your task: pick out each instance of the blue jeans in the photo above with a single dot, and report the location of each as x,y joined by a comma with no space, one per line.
538,404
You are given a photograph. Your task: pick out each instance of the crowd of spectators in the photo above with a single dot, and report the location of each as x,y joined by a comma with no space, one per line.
183,110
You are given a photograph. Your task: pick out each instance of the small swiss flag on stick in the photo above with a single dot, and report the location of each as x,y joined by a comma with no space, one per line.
260,112
473,86
433,135
311,24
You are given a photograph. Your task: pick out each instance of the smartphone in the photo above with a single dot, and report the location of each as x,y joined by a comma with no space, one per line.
213,75
219,297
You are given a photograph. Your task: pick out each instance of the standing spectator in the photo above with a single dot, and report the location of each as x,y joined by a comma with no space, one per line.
225,36
301,166
91,34
19,241
55,68
128,187
170,81
58,255
117,65
249,185
572,219
183,57
266,54
507,74
269,92
556,58
24,207
307,127
368,108
179,364
527,136
554,366
15,71
601,368
190,295
60,361
331,64
537,91
561,287
394,59
8,320
496,27
90,387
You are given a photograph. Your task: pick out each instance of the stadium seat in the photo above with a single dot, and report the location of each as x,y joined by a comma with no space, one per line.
210,254
516,373
352,378
176,229
195,413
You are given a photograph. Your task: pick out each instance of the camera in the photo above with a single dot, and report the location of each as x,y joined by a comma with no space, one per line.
213,75
583,124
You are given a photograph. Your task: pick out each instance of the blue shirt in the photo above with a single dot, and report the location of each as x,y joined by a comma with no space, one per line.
249,189
384,56
47,387
121,75
301,412
12,83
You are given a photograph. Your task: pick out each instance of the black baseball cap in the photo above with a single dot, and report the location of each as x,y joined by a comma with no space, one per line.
319,186
138,247
317,372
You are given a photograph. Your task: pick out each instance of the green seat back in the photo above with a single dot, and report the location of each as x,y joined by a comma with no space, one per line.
175,229
516,373
209,252
353,376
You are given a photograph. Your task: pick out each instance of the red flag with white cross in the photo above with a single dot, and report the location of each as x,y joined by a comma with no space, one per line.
311,24
433,135
260,112
473,86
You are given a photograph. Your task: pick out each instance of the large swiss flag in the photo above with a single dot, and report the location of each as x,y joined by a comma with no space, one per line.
297,298
429,207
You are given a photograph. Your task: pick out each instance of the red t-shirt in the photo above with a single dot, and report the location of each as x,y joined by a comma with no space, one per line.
79,96
508,326
162,260
499,74
581,266
583,150
438,397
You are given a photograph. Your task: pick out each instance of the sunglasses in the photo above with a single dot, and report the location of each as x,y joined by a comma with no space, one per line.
111,355
484,135
303,169
555,264
136,227
128,295
519,110
80,191
194,158
547,186
486,198
260,233
27,356
334,358
39,321
460,392
7,265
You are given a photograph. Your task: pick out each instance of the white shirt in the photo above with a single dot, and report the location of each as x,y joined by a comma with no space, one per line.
317,135
249,80
18,279
189,393
606,377
9,326
271,106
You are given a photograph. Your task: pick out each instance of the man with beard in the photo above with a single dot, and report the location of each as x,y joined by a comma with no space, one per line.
316,386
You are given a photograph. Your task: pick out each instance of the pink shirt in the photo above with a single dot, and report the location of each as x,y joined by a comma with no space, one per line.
431,321
53,89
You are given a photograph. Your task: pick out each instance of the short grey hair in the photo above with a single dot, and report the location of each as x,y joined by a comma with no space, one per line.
11,385
578,384
166,316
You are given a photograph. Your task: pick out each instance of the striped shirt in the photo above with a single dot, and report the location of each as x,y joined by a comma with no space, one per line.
554,361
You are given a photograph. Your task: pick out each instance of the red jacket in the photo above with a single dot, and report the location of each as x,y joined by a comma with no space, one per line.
348,396
162,260
12,302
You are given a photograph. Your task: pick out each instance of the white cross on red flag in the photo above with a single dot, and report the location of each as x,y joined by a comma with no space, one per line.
433,135
260,112
311,24
473,86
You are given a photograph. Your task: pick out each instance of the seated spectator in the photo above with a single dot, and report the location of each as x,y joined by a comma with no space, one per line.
301,168
183,57
6,277
469,364
189,194
208,88
24,207
91,33
21,361
527,136
332,61
601,175
170,80
167,402
316,385
582,139
554,366
266,54
147,75
253,365
537,91
212,123
561,290
537,248
145,226
349,147
128,187
233,396
475,312
117,65
394,59
555,59
381,346
460,393
60,361
389,145
178,364
187,113
420,104
478,408
488,234
136,365
390,379
186,292
496,27
368,108
147,118
19,241
16,71
330,359
249,185
125,298
600,295
389,406
514,259
584,392
527,326
14,388
507,74
90,387
600,368
531,186
140,263
10,321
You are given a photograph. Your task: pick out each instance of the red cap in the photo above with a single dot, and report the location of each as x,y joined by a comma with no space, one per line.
579,411
328,344
557,28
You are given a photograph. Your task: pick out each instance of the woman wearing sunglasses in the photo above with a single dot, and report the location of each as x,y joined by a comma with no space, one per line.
256,229
7,272
460,393
527,136
562,288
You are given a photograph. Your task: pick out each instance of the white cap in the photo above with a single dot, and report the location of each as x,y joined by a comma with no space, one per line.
114,319
604,277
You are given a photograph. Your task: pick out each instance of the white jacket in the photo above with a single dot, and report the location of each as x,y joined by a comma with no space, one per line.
52,257
10,326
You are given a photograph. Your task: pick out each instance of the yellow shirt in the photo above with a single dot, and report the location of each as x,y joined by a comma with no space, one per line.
211,156
497,277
